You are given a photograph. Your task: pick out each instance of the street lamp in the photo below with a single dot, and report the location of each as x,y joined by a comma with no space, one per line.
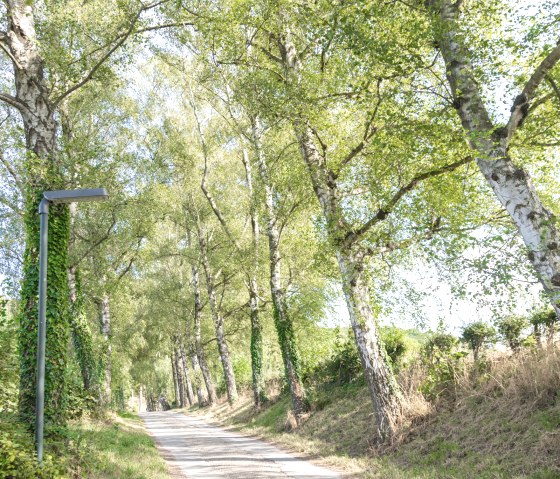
59,196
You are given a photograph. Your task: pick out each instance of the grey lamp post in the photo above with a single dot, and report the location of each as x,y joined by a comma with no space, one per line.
60,196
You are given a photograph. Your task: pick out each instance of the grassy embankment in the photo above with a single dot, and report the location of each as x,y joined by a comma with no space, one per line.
119,448
504,423
114,448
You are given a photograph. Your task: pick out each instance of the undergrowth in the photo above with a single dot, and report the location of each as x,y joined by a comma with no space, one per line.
110,448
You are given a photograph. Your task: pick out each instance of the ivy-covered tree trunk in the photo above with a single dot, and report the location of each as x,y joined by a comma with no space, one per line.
81,333
188,382
259,393
42,173
511,184
57,316
282,321
212,398
256,329
225,356
105,328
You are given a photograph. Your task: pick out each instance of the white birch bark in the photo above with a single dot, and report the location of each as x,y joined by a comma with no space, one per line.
259,394
225,356
189,388
251,273
202,397
176,388
105,328
199,349
511,184
382,386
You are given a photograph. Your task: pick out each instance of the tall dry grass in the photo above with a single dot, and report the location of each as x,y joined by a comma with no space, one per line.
529,378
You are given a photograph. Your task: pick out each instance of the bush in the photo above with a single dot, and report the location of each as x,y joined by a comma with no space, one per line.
438,344
395,343
510,329
18,461
544,322
345,365
243,372
443,365
478,335
9,367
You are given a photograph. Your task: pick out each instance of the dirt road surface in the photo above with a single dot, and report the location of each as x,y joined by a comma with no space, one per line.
203,451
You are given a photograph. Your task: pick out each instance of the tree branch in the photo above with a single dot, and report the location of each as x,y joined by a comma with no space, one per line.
369,131
12,172
554,86
13,101
4,46
121,39
100,63
521,103
383,212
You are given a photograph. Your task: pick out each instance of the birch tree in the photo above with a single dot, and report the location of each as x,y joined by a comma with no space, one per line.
490,140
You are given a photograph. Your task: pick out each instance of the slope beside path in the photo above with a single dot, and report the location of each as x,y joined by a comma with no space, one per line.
204,451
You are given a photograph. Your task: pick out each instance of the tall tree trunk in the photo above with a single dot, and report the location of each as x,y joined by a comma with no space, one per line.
382,385
188,382
256,329
511,184
212,398
174,371
197,380
282,321
81,334
43,173
259,389
105,327
180,380
225,357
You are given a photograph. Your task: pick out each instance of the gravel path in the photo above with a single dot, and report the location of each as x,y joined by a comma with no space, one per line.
202,451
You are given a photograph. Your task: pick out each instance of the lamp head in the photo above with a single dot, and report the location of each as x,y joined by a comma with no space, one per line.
74,196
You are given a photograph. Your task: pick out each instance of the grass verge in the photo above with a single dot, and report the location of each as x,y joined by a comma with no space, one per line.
116,448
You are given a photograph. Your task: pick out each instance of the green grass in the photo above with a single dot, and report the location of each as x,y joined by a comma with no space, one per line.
120,448
115,448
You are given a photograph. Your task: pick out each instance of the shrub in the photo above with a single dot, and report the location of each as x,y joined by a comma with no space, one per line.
544,322
439,344
510,329
9,366
443,365
344,365
242,371
395,343
478,335
18,461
